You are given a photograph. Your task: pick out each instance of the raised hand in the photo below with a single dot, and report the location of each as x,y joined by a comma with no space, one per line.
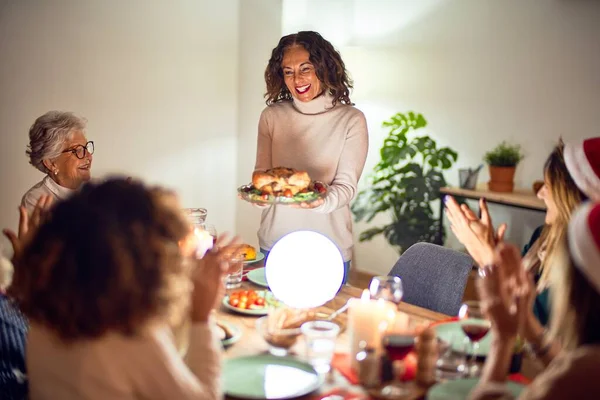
476,234
506,300
28,225
208,275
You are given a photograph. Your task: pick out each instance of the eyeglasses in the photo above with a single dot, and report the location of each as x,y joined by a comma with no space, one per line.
81,150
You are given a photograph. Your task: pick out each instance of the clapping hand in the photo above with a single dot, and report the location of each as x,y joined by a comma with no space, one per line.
28,225
476,234
506,301
208,276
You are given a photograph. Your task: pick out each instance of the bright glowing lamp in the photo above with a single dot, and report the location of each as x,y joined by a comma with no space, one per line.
304,269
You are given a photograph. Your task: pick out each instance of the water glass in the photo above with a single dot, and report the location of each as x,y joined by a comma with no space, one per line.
233,280
196,216
320,339
388,288
451,363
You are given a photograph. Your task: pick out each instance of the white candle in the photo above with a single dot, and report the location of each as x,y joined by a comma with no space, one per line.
204,242
367,321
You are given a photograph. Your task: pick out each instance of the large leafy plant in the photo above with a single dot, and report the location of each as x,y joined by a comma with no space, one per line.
404,183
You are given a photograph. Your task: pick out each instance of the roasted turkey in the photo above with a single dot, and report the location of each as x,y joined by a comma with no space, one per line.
279,179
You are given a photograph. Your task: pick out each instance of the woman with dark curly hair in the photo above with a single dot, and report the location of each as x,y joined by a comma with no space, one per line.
311,125
102,281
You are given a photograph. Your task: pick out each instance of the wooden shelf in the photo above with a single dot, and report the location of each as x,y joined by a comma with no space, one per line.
522,198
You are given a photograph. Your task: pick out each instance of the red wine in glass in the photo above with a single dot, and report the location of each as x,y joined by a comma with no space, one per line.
475,332
397,347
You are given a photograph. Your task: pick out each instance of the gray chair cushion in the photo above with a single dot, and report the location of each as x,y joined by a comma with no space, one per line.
433,277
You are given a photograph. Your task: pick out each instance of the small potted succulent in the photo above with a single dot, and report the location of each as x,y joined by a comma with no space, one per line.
503,160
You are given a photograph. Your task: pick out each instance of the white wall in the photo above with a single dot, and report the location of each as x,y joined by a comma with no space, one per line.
260,31
481,71
157,80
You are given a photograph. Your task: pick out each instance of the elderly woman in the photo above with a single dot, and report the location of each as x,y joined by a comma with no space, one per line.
58,147
310,124
571,369
101,304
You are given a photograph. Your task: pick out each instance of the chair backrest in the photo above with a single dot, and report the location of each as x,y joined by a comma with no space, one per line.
433,277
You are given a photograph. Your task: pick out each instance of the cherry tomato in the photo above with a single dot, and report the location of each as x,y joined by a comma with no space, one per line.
234,301
242,304
260,301
243,299
287,193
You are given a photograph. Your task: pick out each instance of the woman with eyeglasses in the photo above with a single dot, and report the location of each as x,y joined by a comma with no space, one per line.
59,148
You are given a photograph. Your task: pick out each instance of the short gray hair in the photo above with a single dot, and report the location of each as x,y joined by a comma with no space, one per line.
48,134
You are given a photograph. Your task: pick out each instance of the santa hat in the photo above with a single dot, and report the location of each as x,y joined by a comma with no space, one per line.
584,241
583,163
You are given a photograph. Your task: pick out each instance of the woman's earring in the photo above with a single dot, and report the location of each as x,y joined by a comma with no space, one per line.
55,172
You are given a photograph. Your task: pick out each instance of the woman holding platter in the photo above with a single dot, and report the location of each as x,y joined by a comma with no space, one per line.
311,128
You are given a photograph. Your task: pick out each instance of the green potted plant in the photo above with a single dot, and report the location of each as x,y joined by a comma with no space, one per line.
502,161
404,183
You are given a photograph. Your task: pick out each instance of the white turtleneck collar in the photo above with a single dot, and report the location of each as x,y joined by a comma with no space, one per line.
318,105
59,191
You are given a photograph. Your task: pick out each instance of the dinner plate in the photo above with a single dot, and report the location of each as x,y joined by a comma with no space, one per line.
236,333
269,377
258,277
460,389
256,312
259,257
252,195
452,333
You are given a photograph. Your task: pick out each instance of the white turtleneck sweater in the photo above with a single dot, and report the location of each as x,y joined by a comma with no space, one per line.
330,143
46,186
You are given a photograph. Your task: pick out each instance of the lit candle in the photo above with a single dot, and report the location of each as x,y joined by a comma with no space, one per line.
204,242
368,320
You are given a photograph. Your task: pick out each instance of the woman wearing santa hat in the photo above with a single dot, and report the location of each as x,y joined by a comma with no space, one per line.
571,366
571,175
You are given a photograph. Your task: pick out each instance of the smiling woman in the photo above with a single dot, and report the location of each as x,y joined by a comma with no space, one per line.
58,147
311,125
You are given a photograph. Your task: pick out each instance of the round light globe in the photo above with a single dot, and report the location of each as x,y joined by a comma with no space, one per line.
304,269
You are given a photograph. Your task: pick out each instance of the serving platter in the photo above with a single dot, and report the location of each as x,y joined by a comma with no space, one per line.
316,190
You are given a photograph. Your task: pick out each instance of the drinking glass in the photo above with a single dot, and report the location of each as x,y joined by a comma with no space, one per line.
388,288
196,216
233,279
475,325
397,346
320,343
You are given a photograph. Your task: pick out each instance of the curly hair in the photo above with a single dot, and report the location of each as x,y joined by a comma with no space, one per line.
106,259
328,63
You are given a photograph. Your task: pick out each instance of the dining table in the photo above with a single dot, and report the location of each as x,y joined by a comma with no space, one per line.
251,343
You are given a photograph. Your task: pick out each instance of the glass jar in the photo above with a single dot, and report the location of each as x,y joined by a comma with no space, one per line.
196,216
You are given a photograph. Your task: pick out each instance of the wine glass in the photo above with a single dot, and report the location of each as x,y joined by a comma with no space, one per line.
476,326
397,346
388,288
